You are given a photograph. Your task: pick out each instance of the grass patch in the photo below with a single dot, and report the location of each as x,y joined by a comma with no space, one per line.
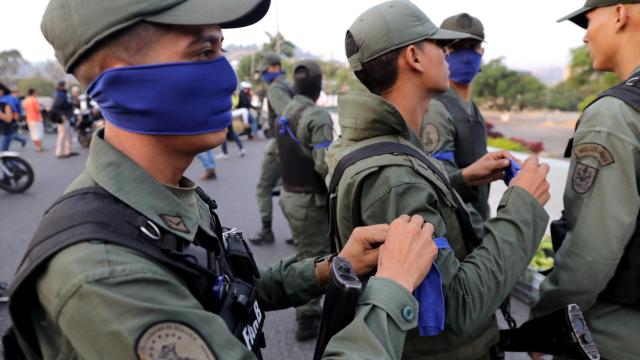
506,144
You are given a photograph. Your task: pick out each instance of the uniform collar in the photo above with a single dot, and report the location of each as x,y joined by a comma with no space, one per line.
123,178
303,99
364,115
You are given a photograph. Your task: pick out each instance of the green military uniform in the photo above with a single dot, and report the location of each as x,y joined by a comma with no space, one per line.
380,189
307,212
95,301
439,136
98,300
278,95
603,185
450,112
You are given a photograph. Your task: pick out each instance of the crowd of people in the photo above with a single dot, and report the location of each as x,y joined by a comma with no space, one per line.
401,195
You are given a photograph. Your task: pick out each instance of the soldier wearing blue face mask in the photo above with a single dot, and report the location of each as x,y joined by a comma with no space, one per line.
132,261
453,130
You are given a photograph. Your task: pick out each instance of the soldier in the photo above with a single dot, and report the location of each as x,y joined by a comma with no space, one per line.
304,132
597,264
395,51
132,262
454,130
278,96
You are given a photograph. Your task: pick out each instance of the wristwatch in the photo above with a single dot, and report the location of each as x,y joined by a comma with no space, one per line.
327,258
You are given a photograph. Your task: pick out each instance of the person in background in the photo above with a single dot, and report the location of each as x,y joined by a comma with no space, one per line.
9,118
34,119
225,151
6,120
62,110
209,163
245,102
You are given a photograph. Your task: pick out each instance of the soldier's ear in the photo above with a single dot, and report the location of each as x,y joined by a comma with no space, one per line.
622,13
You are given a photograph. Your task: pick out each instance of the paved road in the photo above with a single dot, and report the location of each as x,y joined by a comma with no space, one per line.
234,192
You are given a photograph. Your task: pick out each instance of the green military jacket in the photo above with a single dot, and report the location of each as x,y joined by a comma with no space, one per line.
601,202
315,131
438,135
101,301
380,189
279,95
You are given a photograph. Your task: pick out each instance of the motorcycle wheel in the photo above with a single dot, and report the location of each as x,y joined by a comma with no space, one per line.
20,177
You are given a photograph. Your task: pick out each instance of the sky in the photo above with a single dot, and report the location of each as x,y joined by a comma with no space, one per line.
525,33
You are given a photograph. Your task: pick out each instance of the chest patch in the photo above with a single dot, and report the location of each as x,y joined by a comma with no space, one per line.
430,137
596,151
584,176
175,223
172,341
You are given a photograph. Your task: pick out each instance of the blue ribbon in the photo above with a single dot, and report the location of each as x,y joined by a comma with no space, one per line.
322,145
284,129
511,172
444,156
430,296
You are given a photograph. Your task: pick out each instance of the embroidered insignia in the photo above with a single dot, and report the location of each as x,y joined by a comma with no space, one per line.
175,223
172,340
584,176
596,151
430,137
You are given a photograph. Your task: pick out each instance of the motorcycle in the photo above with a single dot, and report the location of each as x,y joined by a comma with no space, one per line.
16,175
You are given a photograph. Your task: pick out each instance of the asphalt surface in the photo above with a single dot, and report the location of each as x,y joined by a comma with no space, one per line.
234,191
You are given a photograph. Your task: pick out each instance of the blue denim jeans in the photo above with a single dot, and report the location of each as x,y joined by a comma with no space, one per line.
207,160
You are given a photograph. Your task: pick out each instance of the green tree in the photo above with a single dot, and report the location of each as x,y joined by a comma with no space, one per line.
501,88
287,48
583,84
42,86
10,63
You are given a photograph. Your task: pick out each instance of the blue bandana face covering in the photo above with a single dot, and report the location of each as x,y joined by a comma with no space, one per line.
464,65
269,77
167,99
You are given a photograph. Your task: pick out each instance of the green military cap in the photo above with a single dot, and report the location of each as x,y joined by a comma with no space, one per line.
579,17
74,27
269,59
312,66
390,26
465,23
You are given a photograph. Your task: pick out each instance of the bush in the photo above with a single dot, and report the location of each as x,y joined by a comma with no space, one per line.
506,144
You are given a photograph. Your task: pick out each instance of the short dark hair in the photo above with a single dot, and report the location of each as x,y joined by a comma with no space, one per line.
127,43
31,91
378,75
4,89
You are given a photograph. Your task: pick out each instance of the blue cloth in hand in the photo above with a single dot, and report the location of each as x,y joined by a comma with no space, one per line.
511,172
430,296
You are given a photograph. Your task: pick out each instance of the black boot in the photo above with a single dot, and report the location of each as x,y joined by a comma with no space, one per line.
265,236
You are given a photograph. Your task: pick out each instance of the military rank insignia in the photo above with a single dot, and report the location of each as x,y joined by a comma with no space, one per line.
584,176
430,137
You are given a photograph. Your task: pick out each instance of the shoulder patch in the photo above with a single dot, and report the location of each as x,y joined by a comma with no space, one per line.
596,151
584,176
175,222
172,340
430,137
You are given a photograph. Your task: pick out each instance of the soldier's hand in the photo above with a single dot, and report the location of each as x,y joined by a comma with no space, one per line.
363,246
408,253
533,179
488,168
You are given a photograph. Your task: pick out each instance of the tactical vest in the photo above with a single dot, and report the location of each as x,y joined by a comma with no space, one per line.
624,287
273,114
460,234
219,271
298,169
470,144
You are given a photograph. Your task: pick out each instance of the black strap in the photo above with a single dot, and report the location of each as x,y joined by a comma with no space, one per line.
458,113
393,148
627,91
